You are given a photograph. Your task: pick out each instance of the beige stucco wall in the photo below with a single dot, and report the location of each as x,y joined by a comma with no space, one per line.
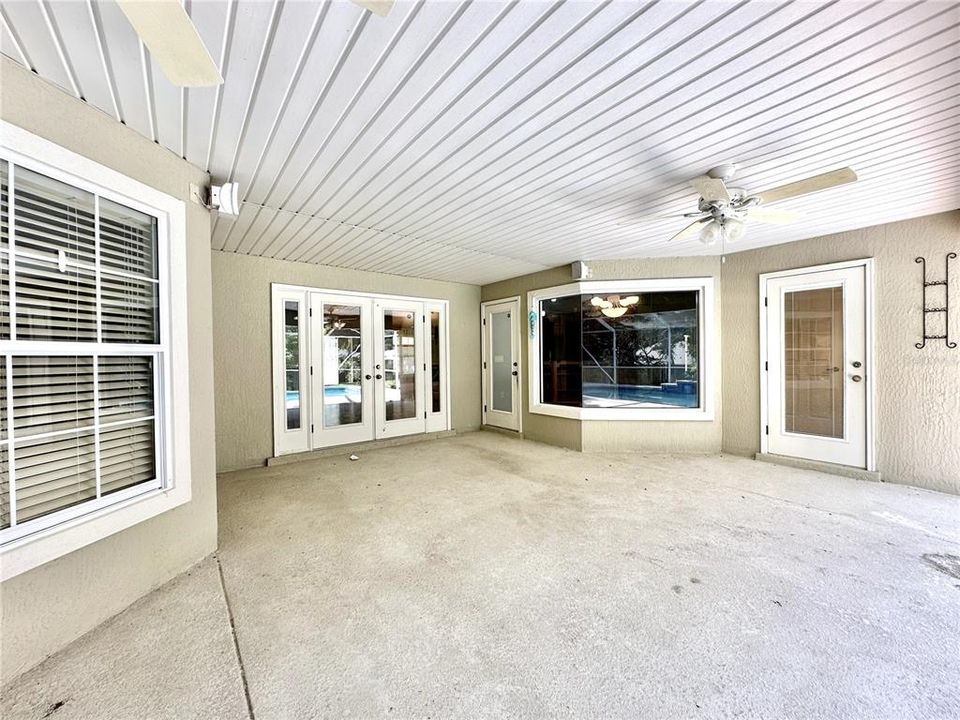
44,609
918,391
242,350
619,435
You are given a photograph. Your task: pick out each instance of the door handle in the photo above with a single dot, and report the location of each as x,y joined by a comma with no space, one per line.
379,376
368,377
856,378
514,373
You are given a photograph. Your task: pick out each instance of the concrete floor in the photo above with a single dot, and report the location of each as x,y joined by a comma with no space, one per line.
486,576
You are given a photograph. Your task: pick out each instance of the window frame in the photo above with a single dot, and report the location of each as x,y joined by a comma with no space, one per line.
708,346
47,537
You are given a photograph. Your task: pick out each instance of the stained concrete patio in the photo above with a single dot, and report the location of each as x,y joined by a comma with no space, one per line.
485,576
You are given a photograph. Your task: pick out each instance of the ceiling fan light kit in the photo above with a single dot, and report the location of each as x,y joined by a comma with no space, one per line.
723,212
614,306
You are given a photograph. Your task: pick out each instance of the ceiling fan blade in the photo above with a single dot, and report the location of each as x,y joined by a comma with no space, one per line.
173,41
377,7
711,189
689,229
644,218
773,216
809,185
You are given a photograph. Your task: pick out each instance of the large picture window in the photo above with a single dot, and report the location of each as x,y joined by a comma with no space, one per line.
621,350
81,351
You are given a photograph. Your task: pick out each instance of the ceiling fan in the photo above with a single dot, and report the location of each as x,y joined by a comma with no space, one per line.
723,211
173,40
614,306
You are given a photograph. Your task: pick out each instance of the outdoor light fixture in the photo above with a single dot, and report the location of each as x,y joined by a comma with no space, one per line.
226,198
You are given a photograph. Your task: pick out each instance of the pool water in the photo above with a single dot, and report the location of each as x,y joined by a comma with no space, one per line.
599,395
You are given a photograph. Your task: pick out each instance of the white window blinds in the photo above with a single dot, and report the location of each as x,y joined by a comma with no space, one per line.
80,351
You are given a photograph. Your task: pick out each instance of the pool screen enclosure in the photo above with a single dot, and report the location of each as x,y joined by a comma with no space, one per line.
620,350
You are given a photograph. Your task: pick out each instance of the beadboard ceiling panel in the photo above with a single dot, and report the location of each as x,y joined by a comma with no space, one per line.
482,140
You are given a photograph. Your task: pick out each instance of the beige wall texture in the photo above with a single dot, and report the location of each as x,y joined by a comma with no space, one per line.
242,349
620,435
44,609
918,391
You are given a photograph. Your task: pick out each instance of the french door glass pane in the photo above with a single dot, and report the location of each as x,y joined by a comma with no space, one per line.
342,368
291,342
813,362
399,364
435,361
501,357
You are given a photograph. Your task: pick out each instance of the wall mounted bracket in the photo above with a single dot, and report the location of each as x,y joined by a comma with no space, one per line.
944,309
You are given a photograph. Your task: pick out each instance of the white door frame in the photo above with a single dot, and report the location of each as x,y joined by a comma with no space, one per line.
870,359
517,345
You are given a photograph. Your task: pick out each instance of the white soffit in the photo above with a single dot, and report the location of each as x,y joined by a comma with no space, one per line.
479,141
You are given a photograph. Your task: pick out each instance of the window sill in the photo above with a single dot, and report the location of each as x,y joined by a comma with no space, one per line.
30,551
616,414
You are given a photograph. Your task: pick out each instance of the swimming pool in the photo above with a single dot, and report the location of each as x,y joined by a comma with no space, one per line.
603,395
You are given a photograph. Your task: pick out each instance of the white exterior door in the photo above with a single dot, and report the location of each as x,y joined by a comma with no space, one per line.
341,369
501,364
399,367
816,364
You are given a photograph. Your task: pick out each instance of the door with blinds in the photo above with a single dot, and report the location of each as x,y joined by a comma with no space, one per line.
81,350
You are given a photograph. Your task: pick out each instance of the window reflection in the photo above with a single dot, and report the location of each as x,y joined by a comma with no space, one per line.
342,369
399,364
621,350
435,360
291,344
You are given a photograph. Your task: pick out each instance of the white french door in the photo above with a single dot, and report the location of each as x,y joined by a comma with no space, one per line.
399,368
501,364
817,365
341,363
350,367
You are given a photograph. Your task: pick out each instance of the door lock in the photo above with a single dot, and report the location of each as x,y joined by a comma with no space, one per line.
857,363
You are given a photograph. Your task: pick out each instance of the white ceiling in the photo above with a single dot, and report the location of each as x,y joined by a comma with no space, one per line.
479,141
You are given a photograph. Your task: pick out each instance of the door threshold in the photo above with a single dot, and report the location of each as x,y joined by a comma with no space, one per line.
502,431
819,466
349,448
